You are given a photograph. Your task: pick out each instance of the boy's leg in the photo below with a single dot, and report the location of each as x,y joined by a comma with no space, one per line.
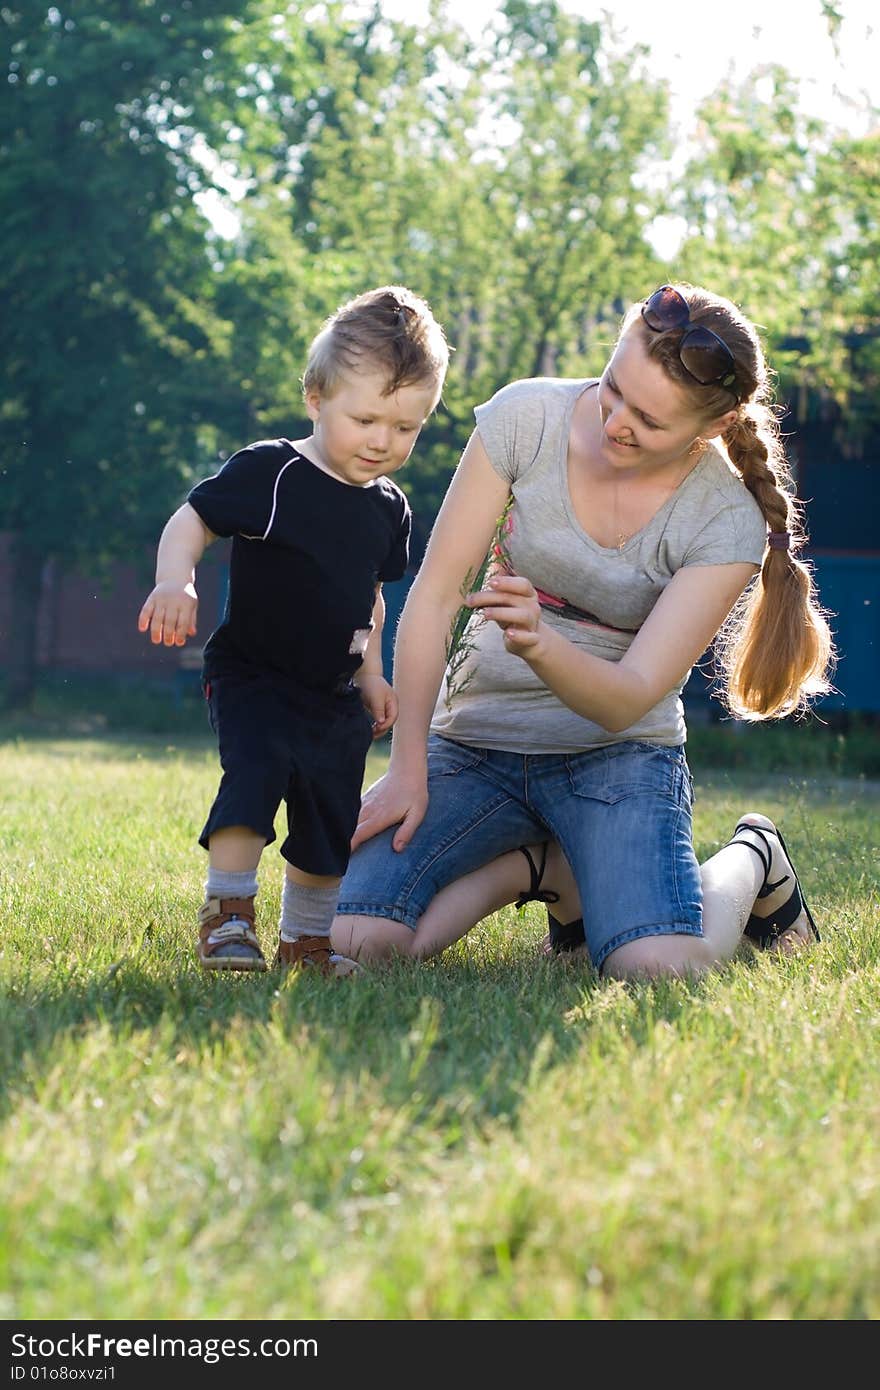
308,905
248,717
329,745
227,930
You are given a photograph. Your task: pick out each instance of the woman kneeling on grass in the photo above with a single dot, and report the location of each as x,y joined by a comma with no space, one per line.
628,538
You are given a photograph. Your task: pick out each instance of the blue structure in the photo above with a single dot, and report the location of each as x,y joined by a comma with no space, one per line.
838,476
849,586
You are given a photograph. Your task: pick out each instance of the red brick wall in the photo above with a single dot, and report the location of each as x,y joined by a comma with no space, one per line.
88,625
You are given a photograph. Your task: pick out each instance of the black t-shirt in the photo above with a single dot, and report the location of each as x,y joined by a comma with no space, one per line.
307,553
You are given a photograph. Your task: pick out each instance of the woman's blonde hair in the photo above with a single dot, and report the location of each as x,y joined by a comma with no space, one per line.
775,651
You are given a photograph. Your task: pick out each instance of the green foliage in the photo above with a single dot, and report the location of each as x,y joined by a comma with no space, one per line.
746,195
461,641
784,211
498,180
110,347
848,189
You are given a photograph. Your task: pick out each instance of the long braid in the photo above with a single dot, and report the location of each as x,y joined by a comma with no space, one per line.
753,446
776,648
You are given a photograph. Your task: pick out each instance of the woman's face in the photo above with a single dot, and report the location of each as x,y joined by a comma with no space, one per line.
648,421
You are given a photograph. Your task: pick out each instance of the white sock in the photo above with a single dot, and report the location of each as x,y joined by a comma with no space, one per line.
222,884
306,911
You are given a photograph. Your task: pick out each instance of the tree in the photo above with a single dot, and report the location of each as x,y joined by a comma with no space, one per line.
783,215
110,348
848,291
499,179
748,198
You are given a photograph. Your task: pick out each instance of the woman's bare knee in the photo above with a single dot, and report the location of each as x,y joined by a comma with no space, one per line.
371,938
653,957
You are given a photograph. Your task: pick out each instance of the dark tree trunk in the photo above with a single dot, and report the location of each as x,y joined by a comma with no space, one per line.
27,582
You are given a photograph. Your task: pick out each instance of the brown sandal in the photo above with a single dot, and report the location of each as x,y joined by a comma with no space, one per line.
313,953
227,936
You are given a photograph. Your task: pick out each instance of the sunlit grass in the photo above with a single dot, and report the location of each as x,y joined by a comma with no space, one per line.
485,1136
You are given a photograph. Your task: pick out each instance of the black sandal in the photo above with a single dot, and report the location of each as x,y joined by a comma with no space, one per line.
764,930
535,893
561,937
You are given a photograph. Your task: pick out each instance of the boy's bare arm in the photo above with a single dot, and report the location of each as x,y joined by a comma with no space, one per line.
377,695
169,614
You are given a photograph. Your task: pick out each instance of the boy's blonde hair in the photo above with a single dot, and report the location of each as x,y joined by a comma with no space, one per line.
387,330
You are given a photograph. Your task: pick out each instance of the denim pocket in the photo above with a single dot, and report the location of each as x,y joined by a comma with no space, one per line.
628,769
447,758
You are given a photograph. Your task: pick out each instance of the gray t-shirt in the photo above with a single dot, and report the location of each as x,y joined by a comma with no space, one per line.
711,519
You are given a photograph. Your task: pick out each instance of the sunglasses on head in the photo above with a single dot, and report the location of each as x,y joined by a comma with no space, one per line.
704,355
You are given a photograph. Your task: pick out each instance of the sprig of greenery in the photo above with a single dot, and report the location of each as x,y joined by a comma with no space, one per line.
462,634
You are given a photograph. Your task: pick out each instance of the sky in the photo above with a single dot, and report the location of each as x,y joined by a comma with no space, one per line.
696,42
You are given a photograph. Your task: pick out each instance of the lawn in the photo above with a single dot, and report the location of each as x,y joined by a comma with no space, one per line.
486,1136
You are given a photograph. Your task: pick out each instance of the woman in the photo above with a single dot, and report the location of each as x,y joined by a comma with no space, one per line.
628,539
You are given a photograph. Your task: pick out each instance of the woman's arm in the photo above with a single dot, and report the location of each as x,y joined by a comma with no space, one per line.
458,546
615,695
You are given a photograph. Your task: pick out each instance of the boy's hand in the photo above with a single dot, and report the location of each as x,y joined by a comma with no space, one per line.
169,613
380,702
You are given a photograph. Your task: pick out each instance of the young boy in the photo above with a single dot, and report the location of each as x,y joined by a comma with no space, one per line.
293,674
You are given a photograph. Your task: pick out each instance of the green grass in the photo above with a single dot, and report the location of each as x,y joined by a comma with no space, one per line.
834,743
485,1136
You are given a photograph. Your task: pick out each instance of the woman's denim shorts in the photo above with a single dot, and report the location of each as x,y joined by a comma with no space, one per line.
621,814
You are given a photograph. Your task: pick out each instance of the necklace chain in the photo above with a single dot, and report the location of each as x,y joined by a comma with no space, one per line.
624,536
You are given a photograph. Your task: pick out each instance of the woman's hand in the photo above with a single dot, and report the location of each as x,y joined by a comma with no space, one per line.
395,798
512,603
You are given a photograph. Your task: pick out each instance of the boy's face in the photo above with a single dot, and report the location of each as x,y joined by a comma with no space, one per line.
361,433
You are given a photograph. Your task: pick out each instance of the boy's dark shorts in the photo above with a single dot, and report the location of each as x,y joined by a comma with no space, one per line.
282,742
